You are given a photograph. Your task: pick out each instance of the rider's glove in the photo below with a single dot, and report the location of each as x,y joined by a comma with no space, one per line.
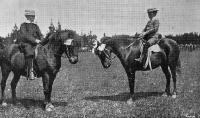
37,41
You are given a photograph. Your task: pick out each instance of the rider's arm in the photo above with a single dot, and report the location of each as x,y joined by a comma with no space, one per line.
144,30
143,33
39,34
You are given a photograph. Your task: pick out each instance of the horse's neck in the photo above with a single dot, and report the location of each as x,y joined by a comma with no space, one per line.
116,49
123,52
9,50
53,47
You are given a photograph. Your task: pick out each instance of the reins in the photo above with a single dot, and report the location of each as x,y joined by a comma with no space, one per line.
140,38
60,55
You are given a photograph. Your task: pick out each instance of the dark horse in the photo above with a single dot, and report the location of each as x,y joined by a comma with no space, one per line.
46,64
127,49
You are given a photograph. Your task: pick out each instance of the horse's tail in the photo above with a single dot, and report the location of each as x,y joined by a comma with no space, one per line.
178,66
172,51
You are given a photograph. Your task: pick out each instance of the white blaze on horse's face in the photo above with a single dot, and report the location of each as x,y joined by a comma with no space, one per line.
102,47
95,46
68,42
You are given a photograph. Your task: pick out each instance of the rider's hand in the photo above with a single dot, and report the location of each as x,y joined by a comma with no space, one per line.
142,34
37,41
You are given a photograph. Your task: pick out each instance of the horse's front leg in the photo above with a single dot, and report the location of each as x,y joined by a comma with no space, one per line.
131,80
5,73
14,82
48,80
168,77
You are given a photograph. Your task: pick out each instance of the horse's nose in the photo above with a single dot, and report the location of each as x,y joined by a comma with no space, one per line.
73,60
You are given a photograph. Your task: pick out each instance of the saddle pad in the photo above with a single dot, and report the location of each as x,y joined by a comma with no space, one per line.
153,48
68,42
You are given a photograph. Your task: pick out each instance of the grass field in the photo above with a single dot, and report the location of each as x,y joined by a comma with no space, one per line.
88,90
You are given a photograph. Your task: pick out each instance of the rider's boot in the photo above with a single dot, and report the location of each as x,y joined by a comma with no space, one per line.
31,75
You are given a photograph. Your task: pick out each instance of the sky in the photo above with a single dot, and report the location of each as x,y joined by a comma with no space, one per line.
103,16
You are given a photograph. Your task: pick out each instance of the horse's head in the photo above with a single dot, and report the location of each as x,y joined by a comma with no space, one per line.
71,42
103,51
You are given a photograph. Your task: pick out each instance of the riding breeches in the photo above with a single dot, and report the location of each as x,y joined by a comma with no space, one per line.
28,50
152,41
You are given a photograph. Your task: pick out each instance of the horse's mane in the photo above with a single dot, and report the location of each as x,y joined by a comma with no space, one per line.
122,40
75,36
71,34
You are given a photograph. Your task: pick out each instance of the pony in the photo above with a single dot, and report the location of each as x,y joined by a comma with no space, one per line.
46,64
127,48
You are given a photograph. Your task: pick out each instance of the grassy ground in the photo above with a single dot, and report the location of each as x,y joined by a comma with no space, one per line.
88,90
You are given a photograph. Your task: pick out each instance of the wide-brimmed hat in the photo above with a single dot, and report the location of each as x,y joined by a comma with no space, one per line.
152,10
29,13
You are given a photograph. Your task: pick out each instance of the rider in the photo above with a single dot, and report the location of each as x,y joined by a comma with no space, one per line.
150,32
30,36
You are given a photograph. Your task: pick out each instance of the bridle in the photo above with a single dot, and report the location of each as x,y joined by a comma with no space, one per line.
107,56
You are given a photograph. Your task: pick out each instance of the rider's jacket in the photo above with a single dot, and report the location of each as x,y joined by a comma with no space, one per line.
151,28
29,32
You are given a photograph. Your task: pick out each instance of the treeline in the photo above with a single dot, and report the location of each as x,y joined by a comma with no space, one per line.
88,40
186,38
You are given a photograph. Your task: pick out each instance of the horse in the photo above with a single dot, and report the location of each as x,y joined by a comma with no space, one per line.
127,49
46,64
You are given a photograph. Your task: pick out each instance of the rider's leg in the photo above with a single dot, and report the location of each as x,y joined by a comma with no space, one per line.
153,41
29,66
147,44
144,52
29,55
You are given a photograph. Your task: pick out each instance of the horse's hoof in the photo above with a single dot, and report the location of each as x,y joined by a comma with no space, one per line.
4,104
49,107
130,101
174,96
165,94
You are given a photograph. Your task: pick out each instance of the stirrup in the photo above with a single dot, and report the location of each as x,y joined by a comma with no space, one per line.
138,59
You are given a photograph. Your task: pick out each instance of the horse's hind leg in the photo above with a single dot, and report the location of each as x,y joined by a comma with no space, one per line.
173,72
14,82
168,77
5,72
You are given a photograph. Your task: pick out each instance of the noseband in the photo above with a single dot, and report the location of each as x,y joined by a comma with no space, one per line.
107,56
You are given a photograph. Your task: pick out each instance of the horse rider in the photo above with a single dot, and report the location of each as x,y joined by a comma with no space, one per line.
30,36
150,32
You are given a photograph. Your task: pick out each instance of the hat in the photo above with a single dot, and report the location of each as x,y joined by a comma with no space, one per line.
152,10
29,13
